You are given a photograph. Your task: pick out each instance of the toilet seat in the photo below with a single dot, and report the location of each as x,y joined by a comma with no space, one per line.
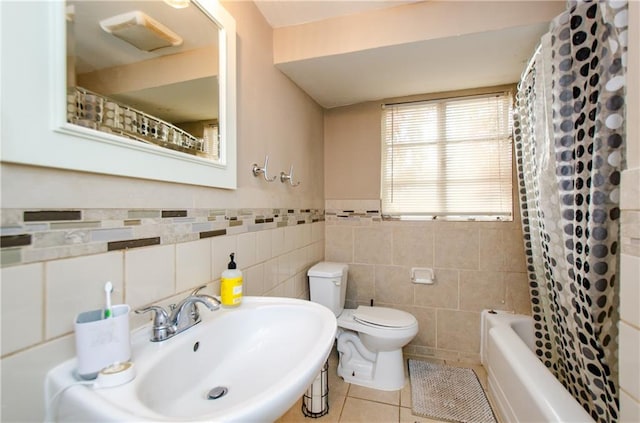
383,317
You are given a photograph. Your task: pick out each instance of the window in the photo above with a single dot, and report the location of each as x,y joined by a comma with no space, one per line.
448,158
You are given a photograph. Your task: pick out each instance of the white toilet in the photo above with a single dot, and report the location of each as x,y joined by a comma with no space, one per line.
370,339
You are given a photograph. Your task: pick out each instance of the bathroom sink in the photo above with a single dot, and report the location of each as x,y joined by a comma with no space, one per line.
265,353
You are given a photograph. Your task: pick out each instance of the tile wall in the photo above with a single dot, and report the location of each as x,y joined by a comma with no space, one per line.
477,265
61,271
55,262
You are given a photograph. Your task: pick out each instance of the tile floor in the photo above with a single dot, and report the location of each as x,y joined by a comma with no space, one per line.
350,403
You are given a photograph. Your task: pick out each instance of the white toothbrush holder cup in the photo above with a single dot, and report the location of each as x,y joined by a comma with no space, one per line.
101,342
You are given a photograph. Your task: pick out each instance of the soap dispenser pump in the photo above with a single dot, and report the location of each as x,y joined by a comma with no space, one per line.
231,285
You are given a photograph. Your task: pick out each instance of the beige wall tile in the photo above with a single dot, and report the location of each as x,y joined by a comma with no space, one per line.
301,286
285,267
193,264
629,351
630,232
629,409
291,238
457,248
339,243
630,189
361,282
513,242
517,295
372,244
458,330
305,235
77,284
263,246
393,285
317,252
246,251
427,326
253,280
481,290
630,289
278,291
22,296
25,373
501,250
149,274
290,287
299,260
270,274
413,246
492,250
317,231
277,242
443,293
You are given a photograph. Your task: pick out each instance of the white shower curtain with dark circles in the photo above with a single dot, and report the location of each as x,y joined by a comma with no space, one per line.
569,138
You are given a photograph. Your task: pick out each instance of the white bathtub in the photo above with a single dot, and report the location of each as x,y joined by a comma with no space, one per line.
521,387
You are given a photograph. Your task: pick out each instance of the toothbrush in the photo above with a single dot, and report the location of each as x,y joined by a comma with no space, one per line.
108,289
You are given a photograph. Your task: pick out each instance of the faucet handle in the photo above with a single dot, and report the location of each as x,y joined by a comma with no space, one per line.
160,318
161,329
198,289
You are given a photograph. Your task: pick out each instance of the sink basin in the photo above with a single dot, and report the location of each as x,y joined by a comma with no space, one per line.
266,353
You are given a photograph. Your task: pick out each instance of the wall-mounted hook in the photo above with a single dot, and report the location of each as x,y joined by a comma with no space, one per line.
257,170
284,177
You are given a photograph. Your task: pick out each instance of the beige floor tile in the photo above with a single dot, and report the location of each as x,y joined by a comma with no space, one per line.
387,397
405,395
361,411
295,415
337,385
407,417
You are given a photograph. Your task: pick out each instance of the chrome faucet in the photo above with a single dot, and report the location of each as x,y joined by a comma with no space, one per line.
181,317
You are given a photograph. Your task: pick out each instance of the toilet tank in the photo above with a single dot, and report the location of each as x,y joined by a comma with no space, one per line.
328,285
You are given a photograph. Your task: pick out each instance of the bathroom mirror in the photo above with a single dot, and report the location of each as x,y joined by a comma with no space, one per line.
146,71
164,110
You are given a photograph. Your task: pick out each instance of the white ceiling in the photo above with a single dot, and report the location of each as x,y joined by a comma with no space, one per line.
444,64
281,13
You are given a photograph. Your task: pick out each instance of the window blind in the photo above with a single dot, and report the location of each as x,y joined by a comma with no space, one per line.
448,158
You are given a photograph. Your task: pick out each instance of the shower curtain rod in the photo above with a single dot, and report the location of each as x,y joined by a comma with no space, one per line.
530,64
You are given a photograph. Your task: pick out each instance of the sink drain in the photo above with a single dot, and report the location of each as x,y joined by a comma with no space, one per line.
217,392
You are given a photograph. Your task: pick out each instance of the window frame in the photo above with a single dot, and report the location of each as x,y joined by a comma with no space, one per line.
505,142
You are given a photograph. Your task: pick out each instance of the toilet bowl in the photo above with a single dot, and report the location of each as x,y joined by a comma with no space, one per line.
369,339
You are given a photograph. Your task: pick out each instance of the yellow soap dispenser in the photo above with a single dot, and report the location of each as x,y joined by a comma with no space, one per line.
231,285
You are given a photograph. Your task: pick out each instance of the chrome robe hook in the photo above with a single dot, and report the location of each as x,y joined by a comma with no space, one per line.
257,170
284,177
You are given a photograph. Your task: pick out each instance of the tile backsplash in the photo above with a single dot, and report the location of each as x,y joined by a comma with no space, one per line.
55,262
28,236
477,265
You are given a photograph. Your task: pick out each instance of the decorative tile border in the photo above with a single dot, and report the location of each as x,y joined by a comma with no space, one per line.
28,236
353,210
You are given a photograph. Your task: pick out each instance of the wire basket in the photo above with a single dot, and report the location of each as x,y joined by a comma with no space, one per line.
315,401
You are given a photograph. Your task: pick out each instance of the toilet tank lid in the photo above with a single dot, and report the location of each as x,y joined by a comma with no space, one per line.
327,269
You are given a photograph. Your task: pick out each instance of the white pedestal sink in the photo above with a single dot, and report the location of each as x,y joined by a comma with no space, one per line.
266,353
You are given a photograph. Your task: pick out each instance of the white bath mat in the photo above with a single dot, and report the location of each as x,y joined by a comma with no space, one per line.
448,393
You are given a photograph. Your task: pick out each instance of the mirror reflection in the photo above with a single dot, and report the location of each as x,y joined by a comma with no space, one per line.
145,70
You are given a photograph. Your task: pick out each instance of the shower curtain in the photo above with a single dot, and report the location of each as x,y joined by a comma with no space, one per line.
569,139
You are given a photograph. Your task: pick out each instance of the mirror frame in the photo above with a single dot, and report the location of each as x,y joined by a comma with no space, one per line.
60,144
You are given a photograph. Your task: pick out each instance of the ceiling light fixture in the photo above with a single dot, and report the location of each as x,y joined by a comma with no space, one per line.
178,4
141,31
